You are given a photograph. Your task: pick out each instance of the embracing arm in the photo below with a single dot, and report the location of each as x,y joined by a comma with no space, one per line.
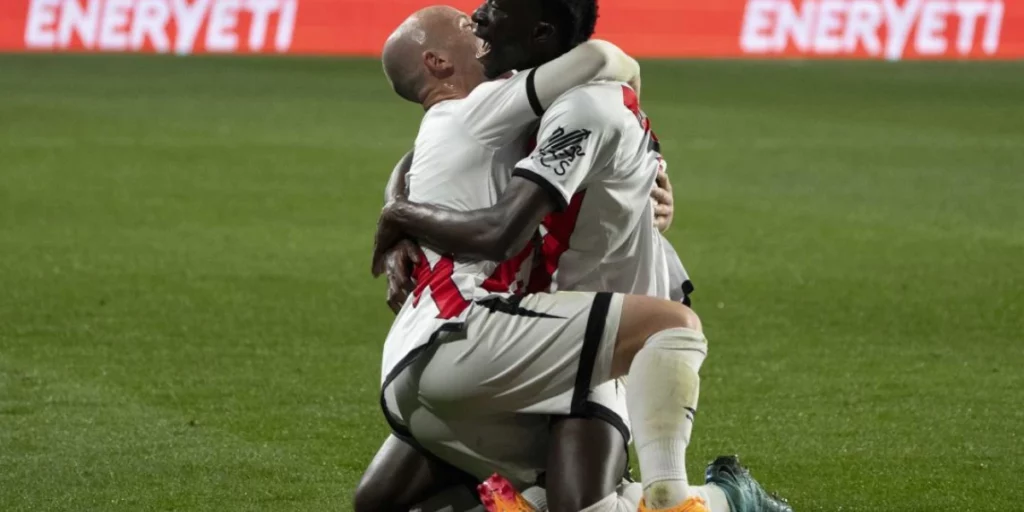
495,233
592,60
402,258
498,112
664,203
577,140
397,187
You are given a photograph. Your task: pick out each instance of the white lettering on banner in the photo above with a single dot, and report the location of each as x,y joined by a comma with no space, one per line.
188,17
992,28
878,28
261,10
827,39
151,17
797,23
968,13
83,20
862,27
114,25
166,25
930,40
899,23
42,14
220,35
286,27
756,35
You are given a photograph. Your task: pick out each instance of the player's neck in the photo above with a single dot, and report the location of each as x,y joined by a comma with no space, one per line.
443,91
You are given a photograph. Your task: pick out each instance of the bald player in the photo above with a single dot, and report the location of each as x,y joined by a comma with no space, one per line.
470,138
431,58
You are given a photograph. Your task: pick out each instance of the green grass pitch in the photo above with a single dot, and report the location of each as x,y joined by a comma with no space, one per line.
187,320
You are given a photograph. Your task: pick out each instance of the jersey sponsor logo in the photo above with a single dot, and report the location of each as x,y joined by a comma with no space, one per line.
877,28
561,149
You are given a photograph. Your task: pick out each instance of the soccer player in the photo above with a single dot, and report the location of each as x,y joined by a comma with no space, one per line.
602,442
585,145
472,144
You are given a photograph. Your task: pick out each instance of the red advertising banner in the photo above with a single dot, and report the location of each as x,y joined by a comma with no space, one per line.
875,29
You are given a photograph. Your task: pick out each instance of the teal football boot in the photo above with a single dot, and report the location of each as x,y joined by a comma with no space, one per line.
742,491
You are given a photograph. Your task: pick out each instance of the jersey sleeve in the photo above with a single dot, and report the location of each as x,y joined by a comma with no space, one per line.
575,143
496,113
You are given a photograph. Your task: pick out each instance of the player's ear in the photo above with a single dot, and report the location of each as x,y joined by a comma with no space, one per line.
439,64
544,32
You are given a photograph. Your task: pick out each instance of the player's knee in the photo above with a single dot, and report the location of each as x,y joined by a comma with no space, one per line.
643,318
671,315
685,317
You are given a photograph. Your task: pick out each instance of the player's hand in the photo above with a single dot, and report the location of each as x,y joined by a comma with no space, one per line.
661,194
398,264
635,84
387,236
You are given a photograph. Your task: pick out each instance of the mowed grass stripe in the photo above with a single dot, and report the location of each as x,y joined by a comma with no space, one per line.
83,446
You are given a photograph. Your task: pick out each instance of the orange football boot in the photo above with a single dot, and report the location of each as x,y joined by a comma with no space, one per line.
692,504
498,495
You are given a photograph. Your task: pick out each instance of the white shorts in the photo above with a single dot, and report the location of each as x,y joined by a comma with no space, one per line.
482,397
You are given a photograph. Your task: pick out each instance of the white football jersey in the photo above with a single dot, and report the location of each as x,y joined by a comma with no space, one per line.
679,284
464,155
598,158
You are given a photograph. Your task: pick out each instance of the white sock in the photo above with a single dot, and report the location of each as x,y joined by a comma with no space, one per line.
631,492
713,496
661,400
613,503
537,497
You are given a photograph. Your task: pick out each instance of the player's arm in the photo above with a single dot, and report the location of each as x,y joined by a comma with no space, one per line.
664,202
495,233
592,60
397,187
496,113
576,140
403,257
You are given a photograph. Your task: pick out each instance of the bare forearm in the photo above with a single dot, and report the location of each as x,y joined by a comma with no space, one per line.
396,188
470,235
592,60
495,233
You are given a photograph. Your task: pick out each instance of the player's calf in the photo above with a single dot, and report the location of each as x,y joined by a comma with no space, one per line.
586,460
400,477
664,348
